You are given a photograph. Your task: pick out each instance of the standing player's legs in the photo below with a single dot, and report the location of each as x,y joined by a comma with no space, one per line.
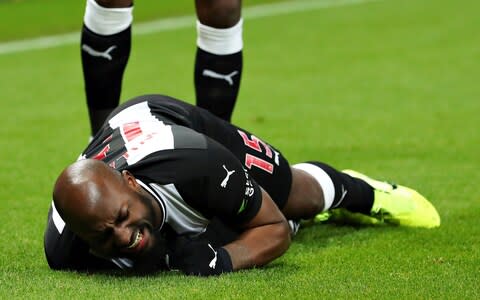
218,62
105,49
106,44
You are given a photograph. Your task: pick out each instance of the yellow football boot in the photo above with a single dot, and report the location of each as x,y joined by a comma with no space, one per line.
393,204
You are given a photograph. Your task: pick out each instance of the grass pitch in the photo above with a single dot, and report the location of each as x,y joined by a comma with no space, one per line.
389,88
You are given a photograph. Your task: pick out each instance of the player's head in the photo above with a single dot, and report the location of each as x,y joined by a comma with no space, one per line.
106,208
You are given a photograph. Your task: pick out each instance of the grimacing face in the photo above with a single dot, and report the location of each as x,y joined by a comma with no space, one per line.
121,222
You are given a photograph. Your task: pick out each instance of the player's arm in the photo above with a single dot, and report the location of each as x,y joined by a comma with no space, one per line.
219,186
265,237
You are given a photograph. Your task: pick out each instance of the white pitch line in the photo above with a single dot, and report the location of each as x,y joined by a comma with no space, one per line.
253,12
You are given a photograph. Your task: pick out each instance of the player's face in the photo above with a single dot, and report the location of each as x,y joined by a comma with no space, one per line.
121,223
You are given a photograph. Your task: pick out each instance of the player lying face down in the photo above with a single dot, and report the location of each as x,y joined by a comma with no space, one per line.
149,187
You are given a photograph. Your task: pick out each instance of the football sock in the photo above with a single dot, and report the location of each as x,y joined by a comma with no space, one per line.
218,68
105,49
340,189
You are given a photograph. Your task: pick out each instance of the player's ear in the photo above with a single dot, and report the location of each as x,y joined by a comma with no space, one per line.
129,179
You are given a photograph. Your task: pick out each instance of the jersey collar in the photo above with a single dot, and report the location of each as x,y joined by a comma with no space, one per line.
159,200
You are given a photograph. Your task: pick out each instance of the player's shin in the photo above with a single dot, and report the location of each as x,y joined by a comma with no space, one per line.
339,189
218,68
105,49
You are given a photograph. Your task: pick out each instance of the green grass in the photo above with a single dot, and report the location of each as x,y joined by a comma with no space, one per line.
389,88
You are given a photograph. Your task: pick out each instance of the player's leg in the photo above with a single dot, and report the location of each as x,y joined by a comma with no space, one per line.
218,61
307,189
318,187
105,49
352,197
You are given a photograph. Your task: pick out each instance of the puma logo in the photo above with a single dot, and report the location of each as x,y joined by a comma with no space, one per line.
213,74
213,262
344,193
224,182
93,52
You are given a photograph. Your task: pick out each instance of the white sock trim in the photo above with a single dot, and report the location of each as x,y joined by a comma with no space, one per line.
107,21
323,180
220,41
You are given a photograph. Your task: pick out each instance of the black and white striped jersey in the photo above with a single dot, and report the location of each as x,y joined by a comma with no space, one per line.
193,177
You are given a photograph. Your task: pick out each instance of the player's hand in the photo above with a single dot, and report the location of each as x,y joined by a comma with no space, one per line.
200,258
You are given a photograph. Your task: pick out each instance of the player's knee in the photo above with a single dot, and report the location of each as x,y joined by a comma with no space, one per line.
311,207
306,197
219,13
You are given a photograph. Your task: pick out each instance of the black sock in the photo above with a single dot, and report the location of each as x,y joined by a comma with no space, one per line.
217,81
351,193
104,59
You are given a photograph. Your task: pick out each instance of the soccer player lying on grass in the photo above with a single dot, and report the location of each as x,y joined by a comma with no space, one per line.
165,184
